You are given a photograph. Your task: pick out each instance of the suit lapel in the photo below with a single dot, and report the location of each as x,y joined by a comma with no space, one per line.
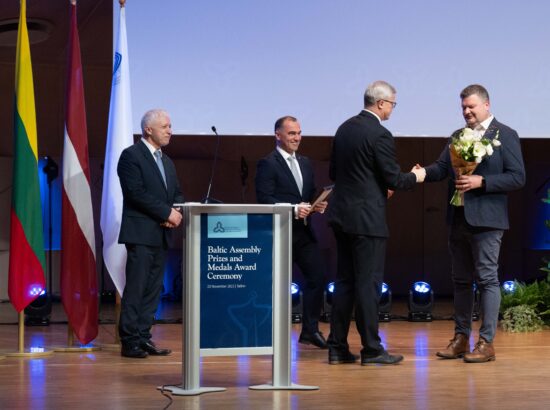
305,176
492,130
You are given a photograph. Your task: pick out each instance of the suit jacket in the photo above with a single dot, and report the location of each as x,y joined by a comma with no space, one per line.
363,167
276,184
503,171
147,201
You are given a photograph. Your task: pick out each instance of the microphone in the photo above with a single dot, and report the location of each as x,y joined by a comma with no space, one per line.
207,199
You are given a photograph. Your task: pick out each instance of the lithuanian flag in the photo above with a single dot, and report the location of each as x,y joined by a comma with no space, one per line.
27,258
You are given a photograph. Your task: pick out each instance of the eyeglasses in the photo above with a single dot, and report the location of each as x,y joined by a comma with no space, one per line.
393,103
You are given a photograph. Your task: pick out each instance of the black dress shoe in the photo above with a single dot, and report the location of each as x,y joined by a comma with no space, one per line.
335,357
382,358
153,350
133,351
316,339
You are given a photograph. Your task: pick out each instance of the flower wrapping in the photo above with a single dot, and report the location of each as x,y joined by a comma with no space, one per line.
467,149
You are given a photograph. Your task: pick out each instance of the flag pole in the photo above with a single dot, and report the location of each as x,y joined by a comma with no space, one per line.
70,348
26,274
21,333
119,137
34,351
74,182
118,305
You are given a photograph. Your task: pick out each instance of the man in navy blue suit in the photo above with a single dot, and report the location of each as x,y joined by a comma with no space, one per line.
476,227
287,177
150,188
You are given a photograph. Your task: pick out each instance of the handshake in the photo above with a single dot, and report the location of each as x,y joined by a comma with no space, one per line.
419,172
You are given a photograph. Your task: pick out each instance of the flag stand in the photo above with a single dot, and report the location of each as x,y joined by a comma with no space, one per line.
113,347
39,352
75,349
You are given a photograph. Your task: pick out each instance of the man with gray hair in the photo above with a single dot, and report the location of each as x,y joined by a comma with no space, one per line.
364,169
149,188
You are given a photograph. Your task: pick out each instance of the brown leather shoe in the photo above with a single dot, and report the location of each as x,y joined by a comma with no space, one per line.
457,347
483,352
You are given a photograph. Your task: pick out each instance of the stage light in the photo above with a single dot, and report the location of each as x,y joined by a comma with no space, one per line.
384,306
327,302
36,290
296,296
421,298
476,312
509,286
38,312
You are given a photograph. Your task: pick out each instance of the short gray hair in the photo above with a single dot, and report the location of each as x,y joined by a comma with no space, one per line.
378,90
150,116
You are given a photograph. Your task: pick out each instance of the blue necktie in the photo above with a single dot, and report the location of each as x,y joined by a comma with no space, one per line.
158,158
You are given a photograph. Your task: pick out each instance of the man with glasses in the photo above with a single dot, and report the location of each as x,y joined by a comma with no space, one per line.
364,168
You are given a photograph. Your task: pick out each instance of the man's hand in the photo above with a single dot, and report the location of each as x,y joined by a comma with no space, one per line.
320,207
466,182
303,210
174,219
390,193
419,172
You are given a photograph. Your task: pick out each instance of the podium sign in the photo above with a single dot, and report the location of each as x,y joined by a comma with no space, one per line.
236,282
236,293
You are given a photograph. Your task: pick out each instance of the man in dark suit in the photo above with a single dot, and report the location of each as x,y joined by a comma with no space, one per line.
286,177
364,168
149,187
477,226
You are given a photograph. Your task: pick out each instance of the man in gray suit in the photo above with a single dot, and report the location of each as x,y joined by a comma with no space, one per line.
150,188
476,228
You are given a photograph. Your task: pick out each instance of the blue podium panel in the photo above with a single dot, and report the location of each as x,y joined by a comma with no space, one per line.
236,281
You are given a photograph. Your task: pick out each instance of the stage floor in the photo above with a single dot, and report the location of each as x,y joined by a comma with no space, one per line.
518,379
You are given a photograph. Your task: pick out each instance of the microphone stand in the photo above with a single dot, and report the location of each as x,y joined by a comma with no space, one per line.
208,199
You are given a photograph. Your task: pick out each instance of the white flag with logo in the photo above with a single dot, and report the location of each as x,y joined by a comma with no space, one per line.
119,137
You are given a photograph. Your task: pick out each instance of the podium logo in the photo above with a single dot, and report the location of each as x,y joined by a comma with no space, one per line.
219,227
228,226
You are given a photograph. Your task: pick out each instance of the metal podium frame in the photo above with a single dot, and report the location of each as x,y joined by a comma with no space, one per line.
282,274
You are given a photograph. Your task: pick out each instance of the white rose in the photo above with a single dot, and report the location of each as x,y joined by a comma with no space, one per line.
479,150
467,134
489,149
496,143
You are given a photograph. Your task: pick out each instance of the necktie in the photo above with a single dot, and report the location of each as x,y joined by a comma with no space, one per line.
158,159
296,173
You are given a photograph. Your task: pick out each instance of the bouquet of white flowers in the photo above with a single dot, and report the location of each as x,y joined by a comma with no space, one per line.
468,148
